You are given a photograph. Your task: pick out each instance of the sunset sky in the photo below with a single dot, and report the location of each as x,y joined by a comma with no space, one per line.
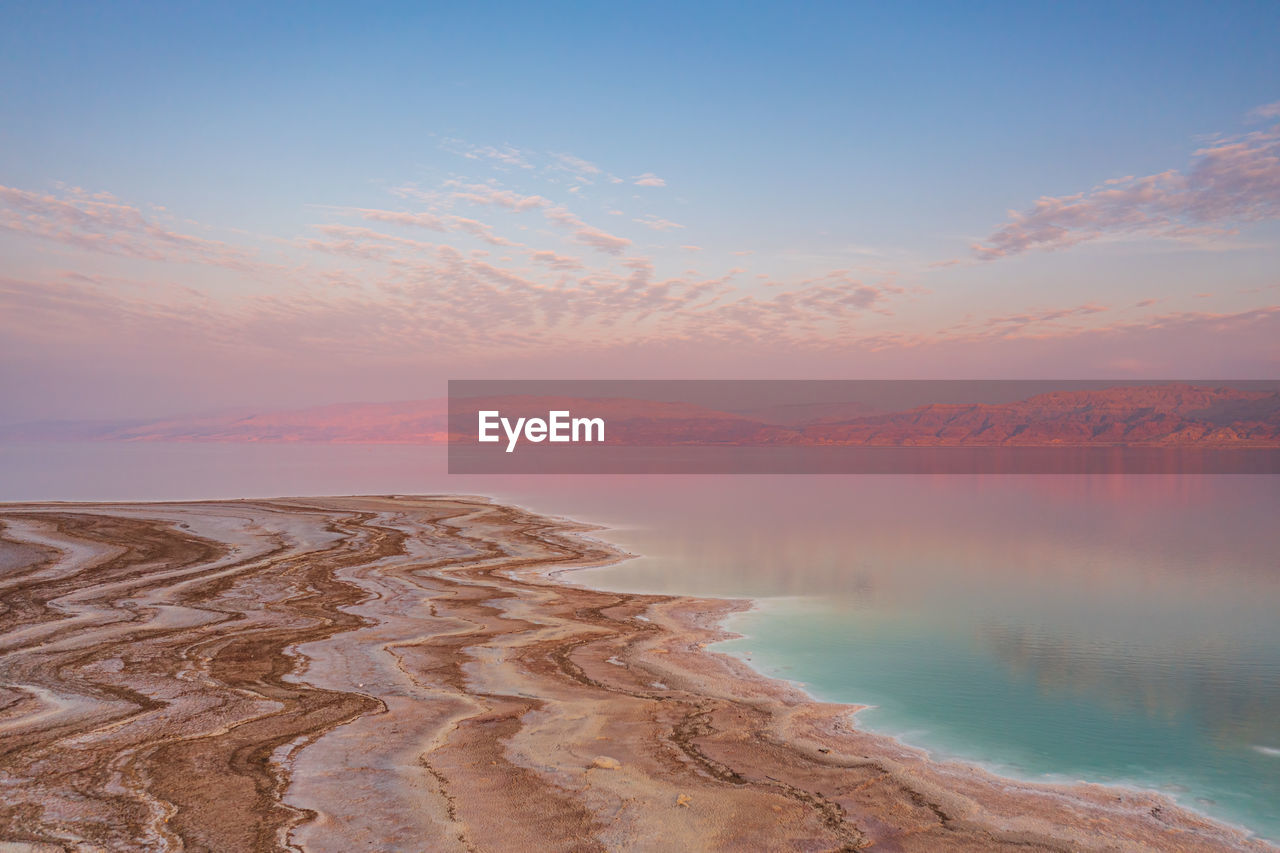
211,206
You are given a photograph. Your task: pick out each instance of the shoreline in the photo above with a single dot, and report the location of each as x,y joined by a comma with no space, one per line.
993,767
404,667
715,621
935,755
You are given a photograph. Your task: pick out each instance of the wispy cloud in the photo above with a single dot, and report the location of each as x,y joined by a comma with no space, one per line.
445,279
601,240
99,222
551,165
433,222
556,261
1234,181
482,194
579,169
481,230
588,235
415,220
1040,321
505,156
1266,111
364,243
657,223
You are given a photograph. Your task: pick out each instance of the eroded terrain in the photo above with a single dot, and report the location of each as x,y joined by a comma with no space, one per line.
401,673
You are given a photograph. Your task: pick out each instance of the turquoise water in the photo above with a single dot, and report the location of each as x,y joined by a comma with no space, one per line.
999,701
1064,628
1107,628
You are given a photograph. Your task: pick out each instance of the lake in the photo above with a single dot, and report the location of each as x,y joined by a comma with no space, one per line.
1110,628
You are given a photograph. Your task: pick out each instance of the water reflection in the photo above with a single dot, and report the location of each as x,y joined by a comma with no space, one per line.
1113,628
1100,627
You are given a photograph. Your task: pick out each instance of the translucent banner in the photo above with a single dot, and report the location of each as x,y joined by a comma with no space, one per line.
863,426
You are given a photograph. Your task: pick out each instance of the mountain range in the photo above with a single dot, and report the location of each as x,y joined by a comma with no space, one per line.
1175,414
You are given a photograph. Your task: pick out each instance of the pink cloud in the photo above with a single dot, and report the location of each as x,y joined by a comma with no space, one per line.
505,156
484,194
433,222
97,222
649,179
481,194
413,220
479,229
1231,182
389,336
583,170
602,240
658,224
1011,324
368,302
1266,111
588,235
358,242
556,261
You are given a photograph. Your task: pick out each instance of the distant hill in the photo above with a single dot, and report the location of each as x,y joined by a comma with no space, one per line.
801,414
1159,415
1176,414
416,422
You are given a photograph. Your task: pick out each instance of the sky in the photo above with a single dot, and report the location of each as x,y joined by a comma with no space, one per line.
215,206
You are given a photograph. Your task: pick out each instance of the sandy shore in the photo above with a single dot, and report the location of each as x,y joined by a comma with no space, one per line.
400,673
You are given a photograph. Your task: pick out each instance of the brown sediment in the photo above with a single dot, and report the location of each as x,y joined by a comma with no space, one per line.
401,673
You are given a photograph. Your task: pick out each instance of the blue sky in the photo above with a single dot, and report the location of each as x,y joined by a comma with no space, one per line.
875,140
934,110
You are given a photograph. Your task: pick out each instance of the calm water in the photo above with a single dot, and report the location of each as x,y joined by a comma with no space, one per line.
1108,628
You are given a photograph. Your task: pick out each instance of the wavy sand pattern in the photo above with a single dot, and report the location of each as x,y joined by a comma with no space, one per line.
399,673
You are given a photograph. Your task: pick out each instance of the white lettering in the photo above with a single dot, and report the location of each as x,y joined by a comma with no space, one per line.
559,426
488,421
587,424
512,434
